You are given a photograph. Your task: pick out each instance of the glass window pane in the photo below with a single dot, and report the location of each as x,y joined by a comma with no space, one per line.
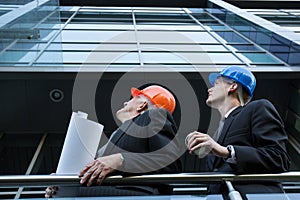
28,46
169,27
92,47
230,36
4,43
101,26
181,47
175,37
190,58
215,26
260,58
89,17
105,9
48,26
243,47
18,56
162,17
96,36
88,57
294,58
202,17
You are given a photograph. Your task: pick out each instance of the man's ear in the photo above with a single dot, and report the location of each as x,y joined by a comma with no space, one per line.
143,106
233,87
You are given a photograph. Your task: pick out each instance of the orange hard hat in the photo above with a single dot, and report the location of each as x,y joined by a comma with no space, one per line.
158,95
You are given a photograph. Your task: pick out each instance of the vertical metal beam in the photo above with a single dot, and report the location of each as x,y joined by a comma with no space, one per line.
137,38
53,37
32,163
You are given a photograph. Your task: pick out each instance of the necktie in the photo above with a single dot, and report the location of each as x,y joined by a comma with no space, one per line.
218,132
216,136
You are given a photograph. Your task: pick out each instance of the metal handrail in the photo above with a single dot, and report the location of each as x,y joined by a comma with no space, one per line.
182,178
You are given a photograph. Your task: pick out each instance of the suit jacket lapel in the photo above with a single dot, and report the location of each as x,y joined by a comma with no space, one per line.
227,124
116,136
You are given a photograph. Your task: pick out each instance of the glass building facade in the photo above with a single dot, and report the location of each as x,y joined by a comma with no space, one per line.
49,37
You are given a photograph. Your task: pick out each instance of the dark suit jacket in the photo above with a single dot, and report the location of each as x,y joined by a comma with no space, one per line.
147,143
257,134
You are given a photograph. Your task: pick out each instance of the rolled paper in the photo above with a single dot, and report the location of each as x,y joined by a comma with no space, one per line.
80,145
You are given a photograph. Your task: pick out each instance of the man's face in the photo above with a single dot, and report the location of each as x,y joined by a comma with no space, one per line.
130,108
217,93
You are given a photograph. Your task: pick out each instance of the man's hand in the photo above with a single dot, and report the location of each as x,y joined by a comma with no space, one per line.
50,191
97,170
196,140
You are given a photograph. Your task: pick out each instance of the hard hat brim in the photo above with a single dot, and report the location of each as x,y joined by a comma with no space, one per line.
212,77
135,92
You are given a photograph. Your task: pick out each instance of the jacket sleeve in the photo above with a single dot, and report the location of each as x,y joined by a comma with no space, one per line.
268,151
162,151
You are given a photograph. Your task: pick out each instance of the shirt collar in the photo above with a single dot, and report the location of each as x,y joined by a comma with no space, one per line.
230,111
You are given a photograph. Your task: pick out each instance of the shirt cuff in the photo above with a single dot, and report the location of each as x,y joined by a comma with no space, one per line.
232,158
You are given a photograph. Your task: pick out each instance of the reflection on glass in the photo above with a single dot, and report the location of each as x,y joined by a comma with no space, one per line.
4,43
28,46
215,26
244,47
100,26
96,36
82,17
202,17
231,36
18,56
190,58
88,57
182,47
169,27
92,47
162,17
294,58
175,37
260,58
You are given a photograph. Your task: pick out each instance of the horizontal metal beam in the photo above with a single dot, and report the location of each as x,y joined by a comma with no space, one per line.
134,3
187,178
266,4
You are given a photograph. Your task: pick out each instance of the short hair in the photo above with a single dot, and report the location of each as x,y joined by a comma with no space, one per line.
150,105
242,94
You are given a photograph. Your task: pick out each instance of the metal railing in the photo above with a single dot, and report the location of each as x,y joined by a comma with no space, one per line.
182,178
38,183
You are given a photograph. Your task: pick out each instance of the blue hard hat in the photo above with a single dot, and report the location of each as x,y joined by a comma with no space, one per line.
239,74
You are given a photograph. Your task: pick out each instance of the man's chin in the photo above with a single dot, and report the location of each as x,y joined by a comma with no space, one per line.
208,102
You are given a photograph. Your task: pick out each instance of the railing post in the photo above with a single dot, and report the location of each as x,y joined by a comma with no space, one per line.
233,194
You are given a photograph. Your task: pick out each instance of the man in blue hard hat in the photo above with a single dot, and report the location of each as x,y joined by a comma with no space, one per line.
250,138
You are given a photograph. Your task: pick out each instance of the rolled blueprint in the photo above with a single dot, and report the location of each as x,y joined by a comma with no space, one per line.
81,143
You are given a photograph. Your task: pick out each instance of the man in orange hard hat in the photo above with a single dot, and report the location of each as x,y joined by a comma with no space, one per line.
145,143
